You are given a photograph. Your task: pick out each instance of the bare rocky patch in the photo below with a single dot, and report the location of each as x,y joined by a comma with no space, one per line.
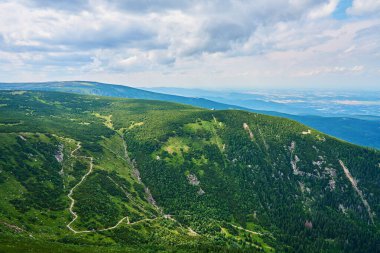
193,180
358,191
246,128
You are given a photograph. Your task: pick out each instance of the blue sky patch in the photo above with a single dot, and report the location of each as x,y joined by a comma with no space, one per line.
340,12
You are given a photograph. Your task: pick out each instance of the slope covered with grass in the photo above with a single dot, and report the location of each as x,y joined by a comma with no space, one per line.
84,172
358,130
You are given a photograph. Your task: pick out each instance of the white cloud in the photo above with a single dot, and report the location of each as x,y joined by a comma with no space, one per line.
350,49
333,70
324,10
184,42
356,102
362,7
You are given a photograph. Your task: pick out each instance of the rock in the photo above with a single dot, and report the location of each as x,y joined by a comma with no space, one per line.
308,224
193,180
59,154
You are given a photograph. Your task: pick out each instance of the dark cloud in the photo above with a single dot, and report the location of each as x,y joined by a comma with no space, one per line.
62,60
224,23
2,41
136,6
152,5
366,33
63,5
222,36
107,37
30,48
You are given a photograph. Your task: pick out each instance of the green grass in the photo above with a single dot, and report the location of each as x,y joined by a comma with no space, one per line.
249,183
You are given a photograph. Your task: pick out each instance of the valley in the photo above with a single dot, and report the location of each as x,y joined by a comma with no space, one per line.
359,129
178,126
129,175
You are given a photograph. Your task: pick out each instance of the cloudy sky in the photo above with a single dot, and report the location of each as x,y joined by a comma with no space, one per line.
221,44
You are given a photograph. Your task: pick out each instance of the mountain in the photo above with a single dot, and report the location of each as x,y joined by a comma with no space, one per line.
325,111
83,173
363,130
111,90
328,103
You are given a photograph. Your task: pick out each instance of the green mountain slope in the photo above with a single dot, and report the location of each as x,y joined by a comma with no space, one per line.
110,90
86,173
359,131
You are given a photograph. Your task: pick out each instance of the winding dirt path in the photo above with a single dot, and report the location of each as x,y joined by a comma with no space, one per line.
91,159
117,224
246,230
72,204
74,214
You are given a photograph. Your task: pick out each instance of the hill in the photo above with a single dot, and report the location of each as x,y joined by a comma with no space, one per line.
87,173
111,90
359,131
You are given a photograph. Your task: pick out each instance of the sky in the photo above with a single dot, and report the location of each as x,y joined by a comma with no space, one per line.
215,44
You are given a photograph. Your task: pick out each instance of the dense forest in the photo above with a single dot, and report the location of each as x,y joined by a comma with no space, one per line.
355,130
86,173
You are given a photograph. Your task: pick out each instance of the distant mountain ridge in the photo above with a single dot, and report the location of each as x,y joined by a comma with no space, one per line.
359,131
112,90
326,103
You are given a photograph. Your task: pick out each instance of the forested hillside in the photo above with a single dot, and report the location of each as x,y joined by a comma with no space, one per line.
86,173
360,131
